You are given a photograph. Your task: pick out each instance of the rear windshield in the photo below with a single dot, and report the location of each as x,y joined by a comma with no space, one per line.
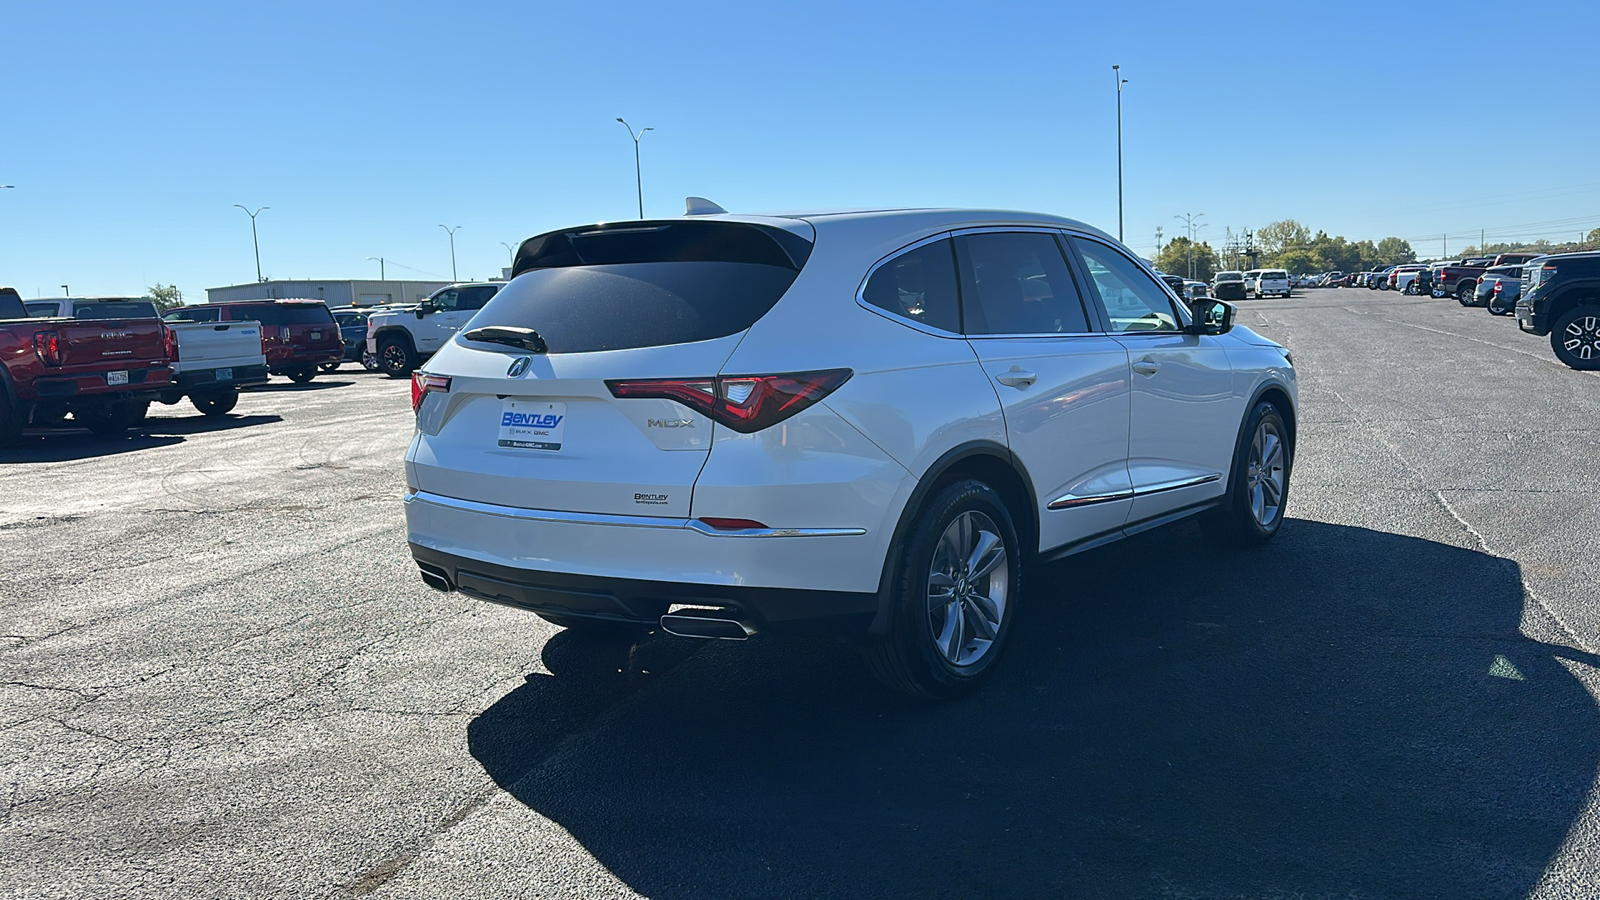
1274,273
285,313
133,309
1229,276
646,285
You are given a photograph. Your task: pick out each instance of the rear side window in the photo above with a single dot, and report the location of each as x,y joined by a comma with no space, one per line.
477,297
204,314
1018,283
646,285
44,310
920,285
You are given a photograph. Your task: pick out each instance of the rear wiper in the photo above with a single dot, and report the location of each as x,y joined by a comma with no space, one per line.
526,338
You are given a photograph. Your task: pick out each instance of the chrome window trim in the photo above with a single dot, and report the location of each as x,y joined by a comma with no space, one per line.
1070,501
605,519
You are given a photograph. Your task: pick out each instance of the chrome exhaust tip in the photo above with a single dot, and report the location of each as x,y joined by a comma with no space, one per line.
435,577
714,628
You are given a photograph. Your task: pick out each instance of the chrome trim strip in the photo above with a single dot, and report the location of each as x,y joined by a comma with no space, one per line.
1068,501
575,518
1176,485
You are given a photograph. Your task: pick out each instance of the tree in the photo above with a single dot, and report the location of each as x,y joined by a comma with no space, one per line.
1298,262
1593,238
1281,236
1393,251
166,296
1174,259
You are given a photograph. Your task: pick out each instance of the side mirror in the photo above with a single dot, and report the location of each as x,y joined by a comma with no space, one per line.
425,307
1211,316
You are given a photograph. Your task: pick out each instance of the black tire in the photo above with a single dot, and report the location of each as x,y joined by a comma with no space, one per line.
369,362
216,405
909,658
1500,310
49,415
1464,292
395,357
302,376
1576,337
1464,301
329,367
1237,520
1383,285
112,418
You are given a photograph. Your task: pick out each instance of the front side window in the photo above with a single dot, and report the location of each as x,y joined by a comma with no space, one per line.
181,314
447,300
1017,282
1132,300
920,285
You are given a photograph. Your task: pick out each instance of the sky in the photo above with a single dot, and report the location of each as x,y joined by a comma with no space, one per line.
130,130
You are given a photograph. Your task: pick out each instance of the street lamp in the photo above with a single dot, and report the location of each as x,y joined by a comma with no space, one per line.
381,274
510,250
1188,222
638,174
66,291
253,239
452,233
1116,74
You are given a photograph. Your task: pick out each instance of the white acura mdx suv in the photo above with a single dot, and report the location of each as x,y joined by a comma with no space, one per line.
872,422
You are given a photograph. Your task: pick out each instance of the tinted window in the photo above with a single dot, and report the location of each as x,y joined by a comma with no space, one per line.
204,314
646,285
476,297
1132,299
11,305
138,309
447,299
283,314
919,285
1018,283
44,310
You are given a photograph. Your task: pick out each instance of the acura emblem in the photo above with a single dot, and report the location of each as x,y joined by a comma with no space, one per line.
519,365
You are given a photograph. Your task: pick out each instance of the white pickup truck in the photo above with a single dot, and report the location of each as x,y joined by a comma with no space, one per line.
212,360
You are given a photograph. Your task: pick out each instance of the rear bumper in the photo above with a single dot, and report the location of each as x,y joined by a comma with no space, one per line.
633,567
206,379
643,601
282,361
140,381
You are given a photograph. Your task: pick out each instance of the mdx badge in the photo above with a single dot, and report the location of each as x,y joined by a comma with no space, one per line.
670,423
518,366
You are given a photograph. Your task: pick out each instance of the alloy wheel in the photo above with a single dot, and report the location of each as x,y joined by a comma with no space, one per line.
393,358
1264,478
1582,337
967,584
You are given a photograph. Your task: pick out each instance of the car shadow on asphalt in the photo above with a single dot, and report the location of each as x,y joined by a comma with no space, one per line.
1344,713
276,387
66,443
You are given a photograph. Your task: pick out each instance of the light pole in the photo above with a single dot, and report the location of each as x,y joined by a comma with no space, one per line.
382,276
510,251
1116,74
66,291
254,241
638,173
1188,222
452,233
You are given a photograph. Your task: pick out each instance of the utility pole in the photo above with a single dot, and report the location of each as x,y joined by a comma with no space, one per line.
1483,242
1116,75
1158,240
638,173
253,239
512,251
66,291
1188,221
381,274
452,233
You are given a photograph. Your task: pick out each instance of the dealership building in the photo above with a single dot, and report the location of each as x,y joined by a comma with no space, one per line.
334,293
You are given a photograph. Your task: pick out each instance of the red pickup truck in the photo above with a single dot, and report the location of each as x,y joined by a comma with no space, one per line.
104,372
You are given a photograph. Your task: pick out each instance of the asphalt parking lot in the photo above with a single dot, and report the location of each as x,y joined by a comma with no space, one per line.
220,676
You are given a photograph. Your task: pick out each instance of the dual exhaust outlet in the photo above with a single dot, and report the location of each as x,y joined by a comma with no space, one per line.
690,622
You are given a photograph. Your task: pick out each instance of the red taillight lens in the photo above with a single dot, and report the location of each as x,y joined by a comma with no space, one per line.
744,403
1497,285
422,383
48,345
172,343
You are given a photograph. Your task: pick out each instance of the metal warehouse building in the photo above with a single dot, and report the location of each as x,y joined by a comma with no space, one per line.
334,293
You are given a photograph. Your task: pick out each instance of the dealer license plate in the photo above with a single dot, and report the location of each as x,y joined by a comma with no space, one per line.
532,425
116,378
224,375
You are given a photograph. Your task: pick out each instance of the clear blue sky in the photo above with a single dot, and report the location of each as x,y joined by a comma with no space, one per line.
130,129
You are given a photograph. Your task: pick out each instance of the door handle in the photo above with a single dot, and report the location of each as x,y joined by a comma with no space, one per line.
1147,367
1017,378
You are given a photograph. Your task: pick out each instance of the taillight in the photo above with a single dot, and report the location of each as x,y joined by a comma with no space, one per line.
48,345
172,343
1497,285
744,403
283,334
422,383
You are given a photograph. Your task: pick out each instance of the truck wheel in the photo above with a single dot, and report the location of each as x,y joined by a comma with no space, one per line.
1464,292
1576,337
395,357
955,593
10,423
112,418
302,376
216,405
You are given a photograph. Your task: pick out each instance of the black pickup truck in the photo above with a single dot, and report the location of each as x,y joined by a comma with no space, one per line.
1561,298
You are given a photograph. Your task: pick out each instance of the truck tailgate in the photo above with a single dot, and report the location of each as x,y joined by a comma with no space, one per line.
210,345
98,345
